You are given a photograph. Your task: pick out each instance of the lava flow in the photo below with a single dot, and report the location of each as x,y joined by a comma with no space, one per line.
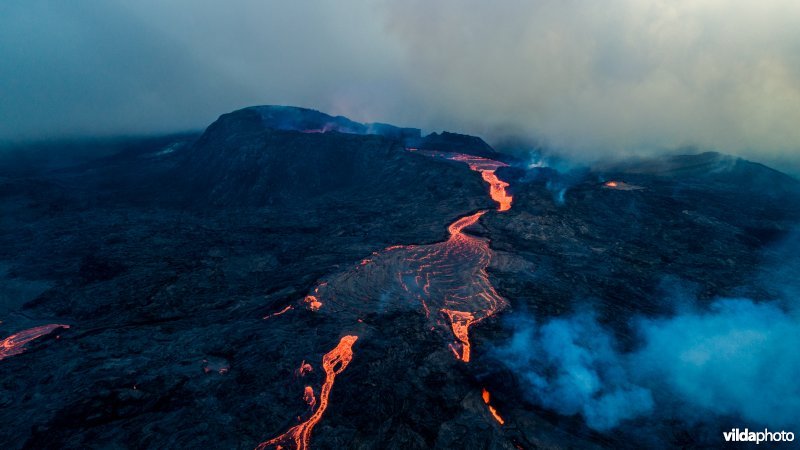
621,186
275,314
308,397
460,322
448,279
15,344
334,362
304,369
492,410
486,167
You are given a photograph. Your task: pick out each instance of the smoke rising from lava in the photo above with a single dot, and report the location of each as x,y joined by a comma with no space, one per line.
732,360
591,79
735,358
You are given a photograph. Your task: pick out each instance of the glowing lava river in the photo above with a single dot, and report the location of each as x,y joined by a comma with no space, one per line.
446,281
15,344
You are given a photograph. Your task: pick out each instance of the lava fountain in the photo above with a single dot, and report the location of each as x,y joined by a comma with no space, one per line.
15,344
333,363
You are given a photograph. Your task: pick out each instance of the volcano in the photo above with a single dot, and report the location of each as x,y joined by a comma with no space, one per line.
291,279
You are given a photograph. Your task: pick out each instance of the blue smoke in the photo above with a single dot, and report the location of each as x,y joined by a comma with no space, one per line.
559,191
737,358
571,366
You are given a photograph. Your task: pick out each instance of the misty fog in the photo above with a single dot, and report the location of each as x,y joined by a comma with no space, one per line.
586,78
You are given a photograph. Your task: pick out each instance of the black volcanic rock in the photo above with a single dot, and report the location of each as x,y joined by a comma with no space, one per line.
237,163
291,118
709,167
457,143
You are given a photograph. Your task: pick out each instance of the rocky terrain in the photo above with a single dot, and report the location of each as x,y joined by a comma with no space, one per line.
193,272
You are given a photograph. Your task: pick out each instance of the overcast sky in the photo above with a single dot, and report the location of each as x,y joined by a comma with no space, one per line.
589,77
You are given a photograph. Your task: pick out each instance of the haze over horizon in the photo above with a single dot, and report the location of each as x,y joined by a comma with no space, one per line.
588,79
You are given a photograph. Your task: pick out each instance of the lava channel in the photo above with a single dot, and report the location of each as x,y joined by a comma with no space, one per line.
281,312
334,362
15,344
486,167
445,280
486,399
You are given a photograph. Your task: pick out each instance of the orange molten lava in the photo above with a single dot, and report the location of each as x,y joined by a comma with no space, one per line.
15,344
308,396
304,369
313,303
284,310
458,226
487,167
460,322
495,414
334,362
611,184
497,189
448,277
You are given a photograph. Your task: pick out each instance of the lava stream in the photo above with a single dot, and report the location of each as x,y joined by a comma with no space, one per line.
275,314
308,397
15,344
448,278
334,362
460,322
304,369
486,167
492,410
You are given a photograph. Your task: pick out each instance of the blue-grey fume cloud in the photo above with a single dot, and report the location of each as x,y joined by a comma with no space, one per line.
586,77
571,366
613,76
736,359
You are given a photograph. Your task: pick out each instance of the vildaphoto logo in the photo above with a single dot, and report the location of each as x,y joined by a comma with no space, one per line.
736,435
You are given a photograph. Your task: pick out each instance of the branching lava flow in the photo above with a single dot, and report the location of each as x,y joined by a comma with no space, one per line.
334,362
